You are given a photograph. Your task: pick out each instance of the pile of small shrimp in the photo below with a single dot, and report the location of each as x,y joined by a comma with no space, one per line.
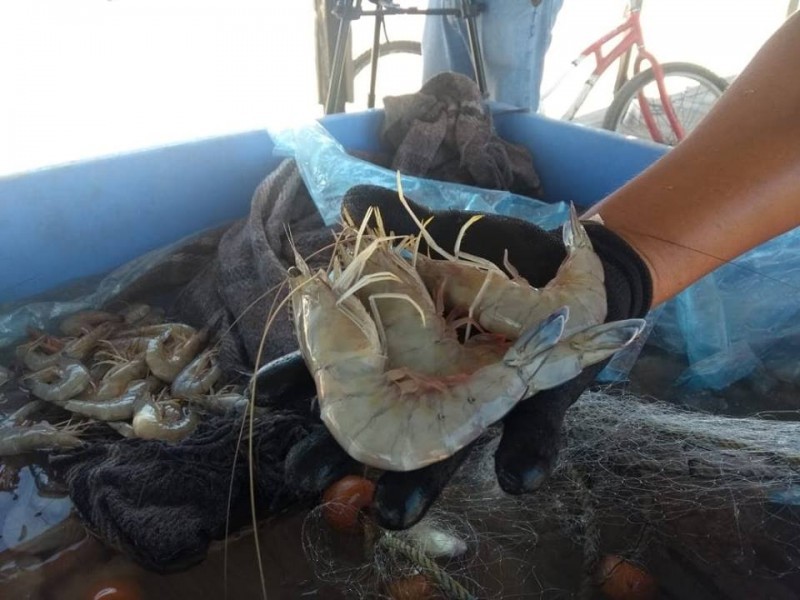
139,375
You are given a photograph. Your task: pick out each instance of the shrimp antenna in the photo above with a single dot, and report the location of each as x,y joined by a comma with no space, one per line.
459,254
362,228
472,258
422,230
251,429
474,219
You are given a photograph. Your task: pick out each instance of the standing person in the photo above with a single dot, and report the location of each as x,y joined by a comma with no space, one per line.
514,37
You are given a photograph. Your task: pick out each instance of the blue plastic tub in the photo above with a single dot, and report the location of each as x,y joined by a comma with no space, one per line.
86,218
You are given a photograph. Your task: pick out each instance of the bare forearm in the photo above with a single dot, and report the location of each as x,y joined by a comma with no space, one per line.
732,184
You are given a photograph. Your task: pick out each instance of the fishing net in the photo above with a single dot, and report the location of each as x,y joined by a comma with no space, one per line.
708,504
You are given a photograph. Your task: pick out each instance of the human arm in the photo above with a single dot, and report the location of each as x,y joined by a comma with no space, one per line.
731,185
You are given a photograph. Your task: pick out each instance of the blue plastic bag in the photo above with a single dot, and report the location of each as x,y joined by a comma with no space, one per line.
329,171
743,318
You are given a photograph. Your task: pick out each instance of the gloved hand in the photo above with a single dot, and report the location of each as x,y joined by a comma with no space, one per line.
532,430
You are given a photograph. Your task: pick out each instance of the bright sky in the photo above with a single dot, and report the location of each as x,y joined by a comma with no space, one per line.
84,78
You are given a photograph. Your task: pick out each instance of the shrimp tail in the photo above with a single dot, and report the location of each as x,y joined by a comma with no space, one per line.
527,353
585,348
601,341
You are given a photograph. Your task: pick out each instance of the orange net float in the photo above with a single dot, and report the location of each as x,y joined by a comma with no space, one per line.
620,579
345,500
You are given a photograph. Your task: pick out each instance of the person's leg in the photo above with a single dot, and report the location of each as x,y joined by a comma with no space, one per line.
444,43
515,37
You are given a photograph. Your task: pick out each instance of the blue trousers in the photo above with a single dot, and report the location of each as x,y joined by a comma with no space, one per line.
514,37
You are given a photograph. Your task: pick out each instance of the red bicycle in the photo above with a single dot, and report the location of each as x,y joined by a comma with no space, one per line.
663,102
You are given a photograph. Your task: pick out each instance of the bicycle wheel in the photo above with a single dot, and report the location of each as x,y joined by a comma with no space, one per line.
692,90
399,74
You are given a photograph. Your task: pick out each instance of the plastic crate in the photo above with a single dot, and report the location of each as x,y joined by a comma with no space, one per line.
86,218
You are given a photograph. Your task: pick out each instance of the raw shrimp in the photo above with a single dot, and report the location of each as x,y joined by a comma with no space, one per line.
116,380
173,349
116,409
41,436
85,321
166,421
153,330
77,349
401,424
60,382
509,306
197,377
414,334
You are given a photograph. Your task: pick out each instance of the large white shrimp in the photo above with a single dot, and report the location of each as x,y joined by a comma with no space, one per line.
116,380
510,305
415,335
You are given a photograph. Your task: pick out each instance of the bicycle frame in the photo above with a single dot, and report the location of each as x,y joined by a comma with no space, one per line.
632,36
350,10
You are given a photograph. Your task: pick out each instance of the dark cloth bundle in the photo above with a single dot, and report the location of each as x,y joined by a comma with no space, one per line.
445,132
162,504
235,293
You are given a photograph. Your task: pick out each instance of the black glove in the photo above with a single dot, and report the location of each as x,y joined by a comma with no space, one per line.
532,430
